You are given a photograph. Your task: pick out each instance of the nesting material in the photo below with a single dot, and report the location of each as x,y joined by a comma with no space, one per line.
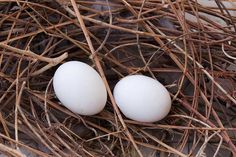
188,46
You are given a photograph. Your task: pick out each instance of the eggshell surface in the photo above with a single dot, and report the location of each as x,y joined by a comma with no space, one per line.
142,98
80,88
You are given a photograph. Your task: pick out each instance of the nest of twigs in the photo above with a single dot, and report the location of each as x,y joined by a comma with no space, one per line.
189,46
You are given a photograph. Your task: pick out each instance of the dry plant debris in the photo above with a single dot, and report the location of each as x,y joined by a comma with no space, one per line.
187,45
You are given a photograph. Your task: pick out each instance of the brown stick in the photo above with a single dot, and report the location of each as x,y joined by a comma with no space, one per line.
99,67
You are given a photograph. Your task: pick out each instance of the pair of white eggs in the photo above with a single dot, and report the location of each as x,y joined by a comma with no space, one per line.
81,89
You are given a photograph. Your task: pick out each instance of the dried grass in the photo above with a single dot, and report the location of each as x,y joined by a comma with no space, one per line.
187,45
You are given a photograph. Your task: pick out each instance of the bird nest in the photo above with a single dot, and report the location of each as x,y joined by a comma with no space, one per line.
189,46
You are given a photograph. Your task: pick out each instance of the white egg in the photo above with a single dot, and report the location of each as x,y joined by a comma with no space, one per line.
80,88
142,98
